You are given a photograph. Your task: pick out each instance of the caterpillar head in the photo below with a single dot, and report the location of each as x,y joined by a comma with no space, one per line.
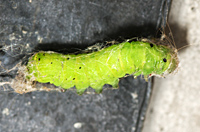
168,60
173,61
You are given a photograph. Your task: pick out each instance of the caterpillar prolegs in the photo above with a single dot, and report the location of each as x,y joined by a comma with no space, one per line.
102,67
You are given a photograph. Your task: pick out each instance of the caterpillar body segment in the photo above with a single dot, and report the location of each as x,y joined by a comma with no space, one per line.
102,67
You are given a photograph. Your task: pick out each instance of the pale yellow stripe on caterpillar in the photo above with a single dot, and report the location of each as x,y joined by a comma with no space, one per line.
120,58
109,56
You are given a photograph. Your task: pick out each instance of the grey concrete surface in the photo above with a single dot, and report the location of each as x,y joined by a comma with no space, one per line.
175,102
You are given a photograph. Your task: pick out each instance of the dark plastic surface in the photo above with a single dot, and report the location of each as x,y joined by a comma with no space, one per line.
68,26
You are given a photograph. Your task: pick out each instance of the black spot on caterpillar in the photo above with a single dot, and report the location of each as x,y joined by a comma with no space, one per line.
106,65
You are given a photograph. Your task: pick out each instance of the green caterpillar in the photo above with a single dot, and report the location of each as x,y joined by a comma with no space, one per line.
102,67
